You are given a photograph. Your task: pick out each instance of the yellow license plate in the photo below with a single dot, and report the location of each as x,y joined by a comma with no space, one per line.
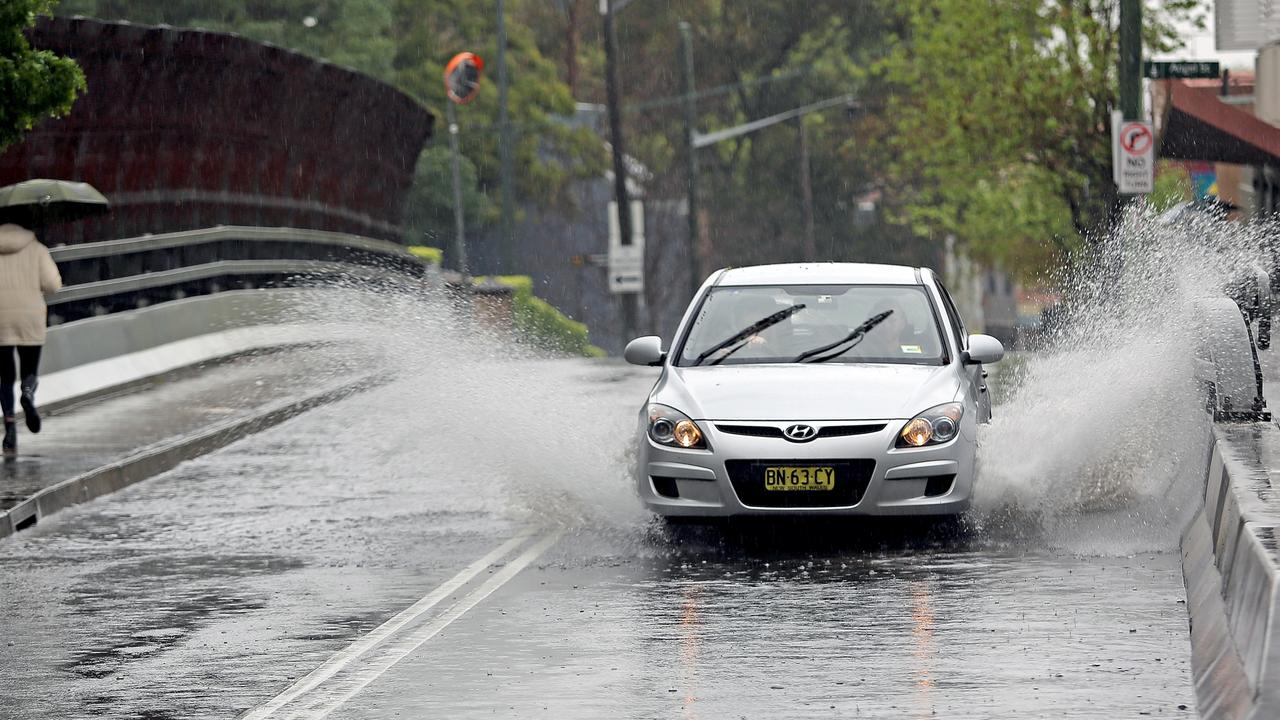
786,477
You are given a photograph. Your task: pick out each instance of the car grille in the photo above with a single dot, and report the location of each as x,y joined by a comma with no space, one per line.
776,432
751,430
852,477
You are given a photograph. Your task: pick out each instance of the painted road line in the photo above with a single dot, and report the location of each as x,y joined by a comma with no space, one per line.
352,652
397,649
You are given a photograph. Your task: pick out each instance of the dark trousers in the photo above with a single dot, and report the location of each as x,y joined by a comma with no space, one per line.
29,359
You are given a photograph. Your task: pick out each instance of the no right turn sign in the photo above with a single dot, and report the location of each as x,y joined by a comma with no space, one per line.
1133,154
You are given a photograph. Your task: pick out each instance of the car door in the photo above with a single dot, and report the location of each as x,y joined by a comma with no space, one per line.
976,374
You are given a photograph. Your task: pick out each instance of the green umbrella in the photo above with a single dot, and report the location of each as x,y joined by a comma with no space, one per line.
39,202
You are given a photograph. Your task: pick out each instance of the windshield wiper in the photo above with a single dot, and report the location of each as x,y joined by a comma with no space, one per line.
854,338
740,338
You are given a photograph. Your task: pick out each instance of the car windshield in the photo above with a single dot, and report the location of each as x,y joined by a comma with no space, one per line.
814,323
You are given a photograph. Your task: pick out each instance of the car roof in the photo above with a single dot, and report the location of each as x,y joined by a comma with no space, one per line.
831,273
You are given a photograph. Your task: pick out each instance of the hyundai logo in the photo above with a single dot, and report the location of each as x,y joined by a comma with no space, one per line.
800,433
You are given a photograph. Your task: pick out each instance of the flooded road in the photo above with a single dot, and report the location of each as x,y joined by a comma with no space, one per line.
914,633
449,552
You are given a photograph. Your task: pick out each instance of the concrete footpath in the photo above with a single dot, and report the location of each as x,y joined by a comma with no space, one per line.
157,420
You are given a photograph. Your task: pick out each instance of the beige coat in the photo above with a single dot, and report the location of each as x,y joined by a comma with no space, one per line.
27,274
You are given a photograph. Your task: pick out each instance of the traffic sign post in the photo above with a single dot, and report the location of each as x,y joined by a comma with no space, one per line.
626,261
1133,156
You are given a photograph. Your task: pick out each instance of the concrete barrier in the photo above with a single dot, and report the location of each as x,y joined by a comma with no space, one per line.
1231,566
95,355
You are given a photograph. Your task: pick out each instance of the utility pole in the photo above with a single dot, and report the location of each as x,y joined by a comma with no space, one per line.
507,245
629,300
809,250
697,273
1131,59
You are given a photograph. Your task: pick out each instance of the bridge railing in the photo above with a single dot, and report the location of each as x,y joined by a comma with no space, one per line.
100,278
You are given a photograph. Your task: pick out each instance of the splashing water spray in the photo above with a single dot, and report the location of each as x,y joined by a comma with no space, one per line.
536,438
1099,450
1102,446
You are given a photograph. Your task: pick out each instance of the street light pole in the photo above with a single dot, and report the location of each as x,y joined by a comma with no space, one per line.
630,301
696,270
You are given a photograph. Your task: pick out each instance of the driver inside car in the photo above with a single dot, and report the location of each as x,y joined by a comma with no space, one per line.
892,337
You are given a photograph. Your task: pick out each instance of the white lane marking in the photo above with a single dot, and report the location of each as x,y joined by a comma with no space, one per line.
397,650
352,652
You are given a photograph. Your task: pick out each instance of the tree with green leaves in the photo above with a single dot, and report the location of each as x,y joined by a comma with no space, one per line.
550,151
34,84
996,121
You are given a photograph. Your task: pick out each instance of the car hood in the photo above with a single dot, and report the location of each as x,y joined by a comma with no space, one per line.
861,391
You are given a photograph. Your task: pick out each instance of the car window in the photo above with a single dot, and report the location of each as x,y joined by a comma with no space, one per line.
813,323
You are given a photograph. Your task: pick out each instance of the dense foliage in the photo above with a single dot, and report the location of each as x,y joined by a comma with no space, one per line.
997,115
33,83
540,324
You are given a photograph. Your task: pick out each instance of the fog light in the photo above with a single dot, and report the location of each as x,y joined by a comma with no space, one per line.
917,432
687,434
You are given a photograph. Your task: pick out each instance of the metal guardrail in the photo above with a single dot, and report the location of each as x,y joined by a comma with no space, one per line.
188,238
125,274
223,268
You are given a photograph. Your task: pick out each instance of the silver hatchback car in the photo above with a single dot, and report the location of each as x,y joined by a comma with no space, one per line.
827,388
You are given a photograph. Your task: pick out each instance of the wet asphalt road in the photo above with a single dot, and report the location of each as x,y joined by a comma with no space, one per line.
211,590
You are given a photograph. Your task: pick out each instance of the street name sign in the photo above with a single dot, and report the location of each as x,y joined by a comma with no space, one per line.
1133,155
626,262
1180,69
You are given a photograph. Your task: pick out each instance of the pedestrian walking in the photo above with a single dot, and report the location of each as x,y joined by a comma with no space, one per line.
27,274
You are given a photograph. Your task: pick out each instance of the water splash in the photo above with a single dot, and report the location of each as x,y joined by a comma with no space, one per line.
1102,447
472,400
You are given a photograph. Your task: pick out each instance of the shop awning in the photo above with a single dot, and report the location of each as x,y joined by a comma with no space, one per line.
1199,126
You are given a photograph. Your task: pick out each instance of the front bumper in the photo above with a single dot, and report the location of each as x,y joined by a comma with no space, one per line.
697,483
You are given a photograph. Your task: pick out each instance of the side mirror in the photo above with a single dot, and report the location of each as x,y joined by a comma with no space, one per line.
983,349
645,350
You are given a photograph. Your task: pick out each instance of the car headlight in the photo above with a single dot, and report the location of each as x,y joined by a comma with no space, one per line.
668,426
934,426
